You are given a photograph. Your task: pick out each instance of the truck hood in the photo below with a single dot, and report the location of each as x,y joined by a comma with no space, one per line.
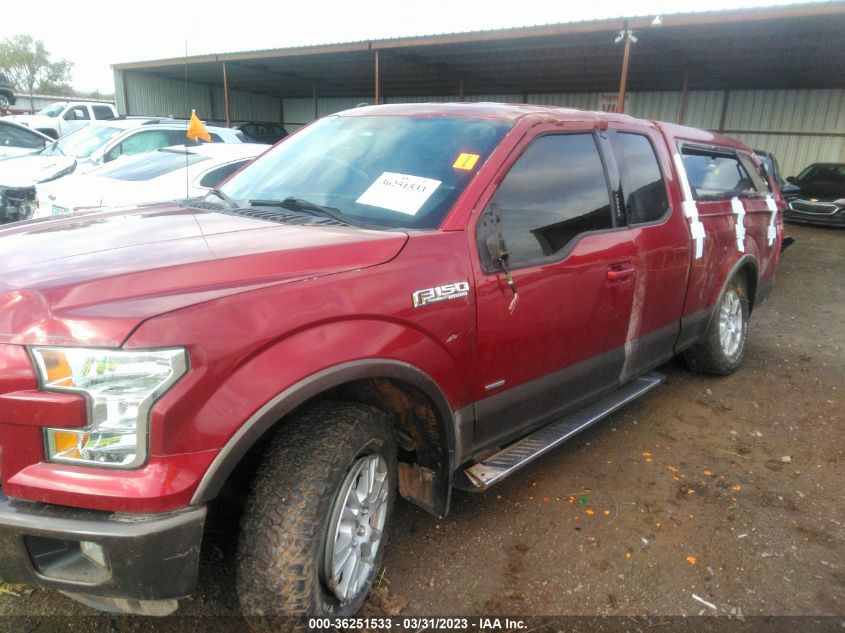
92,279
26,171
33,120
824,191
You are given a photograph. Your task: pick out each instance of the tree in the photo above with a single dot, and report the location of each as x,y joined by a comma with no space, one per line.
29,66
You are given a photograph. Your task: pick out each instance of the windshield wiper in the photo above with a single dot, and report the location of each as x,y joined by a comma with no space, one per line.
230,202
298,204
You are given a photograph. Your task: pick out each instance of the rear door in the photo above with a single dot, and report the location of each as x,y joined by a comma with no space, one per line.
662,242
562,342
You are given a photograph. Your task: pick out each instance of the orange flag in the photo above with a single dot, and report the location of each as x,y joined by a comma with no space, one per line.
196,130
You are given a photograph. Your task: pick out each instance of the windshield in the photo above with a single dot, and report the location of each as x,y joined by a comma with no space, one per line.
149,164
388,171
82,143
823,172
53,110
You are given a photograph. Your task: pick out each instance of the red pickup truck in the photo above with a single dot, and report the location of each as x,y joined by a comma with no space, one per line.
395,300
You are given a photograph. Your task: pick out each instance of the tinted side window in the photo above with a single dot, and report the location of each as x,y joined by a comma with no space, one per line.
715,174
554,192
102,112
77,113
216,176
144,141
642,181
16,137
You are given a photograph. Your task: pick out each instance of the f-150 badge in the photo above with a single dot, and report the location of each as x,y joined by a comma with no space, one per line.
445,292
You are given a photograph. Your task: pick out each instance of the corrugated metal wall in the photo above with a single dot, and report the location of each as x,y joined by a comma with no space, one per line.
798,126
157,96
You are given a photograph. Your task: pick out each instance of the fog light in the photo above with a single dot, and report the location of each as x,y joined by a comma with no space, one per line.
94,552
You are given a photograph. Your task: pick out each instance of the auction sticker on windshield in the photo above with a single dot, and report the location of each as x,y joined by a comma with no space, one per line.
399,192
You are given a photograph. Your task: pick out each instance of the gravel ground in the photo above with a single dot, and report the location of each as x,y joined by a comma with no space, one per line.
710,496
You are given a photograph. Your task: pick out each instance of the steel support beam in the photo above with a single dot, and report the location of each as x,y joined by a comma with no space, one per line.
226,96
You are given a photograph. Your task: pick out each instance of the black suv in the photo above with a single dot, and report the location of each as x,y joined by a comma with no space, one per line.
7,97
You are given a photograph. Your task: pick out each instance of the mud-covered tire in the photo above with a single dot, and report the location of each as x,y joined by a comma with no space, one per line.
281,574
722,349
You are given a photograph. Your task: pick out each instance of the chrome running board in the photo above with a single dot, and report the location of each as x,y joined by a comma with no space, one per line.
525,450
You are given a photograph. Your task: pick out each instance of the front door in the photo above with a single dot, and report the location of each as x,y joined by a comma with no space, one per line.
563,340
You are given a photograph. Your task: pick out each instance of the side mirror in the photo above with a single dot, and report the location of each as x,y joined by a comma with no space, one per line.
790,179
790,189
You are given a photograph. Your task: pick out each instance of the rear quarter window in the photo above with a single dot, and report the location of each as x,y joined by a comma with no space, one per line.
715,173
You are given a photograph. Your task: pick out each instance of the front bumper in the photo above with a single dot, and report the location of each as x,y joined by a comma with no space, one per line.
818,213
151,557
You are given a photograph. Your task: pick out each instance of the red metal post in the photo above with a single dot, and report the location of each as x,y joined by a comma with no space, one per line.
623,81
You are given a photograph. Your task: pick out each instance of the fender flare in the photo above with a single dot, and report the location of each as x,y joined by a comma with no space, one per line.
286,401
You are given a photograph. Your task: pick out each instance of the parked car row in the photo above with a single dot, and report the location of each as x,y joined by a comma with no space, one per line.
170,173
95,145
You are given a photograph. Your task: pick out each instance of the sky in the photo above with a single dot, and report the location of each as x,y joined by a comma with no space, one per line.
94,35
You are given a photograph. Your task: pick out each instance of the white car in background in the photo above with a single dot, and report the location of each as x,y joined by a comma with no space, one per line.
17,139
86,149
170,173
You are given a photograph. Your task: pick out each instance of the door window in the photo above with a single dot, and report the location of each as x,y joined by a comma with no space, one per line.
77,113
642,181
556,191
143,141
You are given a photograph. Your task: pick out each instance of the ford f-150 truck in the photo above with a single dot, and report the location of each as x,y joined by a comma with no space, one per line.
399,299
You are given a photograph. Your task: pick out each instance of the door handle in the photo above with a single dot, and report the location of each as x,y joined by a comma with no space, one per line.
620,272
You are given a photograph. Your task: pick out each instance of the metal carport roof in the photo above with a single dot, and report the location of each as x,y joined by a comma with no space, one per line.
792,47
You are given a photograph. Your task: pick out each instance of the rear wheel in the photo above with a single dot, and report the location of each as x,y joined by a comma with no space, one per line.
4,101
314,531
723,347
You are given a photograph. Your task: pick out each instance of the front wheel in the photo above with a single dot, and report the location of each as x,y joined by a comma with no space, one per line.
4,101
723,347
314,531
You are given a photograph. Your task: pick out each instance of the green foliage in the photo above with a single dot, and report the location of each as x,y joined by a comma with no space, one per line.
30,68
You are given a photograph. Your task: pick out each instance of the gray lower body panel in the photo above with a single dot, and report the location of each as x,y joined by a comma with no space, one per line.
513,457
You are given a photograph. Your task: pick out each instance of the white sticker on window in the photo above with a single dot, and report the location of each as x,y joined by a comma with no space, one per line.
399,192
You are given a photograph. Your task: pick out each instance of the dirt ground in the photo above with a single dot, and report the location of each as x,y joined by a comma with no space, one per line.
715,496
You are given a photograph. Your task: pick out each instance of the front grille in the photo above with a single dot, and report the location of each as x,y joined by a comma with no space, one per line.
16,203
818,208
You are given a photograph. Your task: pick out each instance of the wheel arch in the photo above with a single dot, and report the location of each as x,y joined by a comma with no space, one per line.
418,407
747,269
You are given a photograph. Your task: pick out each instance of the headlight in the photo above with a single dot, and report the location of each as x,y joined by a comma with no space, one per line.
120,387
